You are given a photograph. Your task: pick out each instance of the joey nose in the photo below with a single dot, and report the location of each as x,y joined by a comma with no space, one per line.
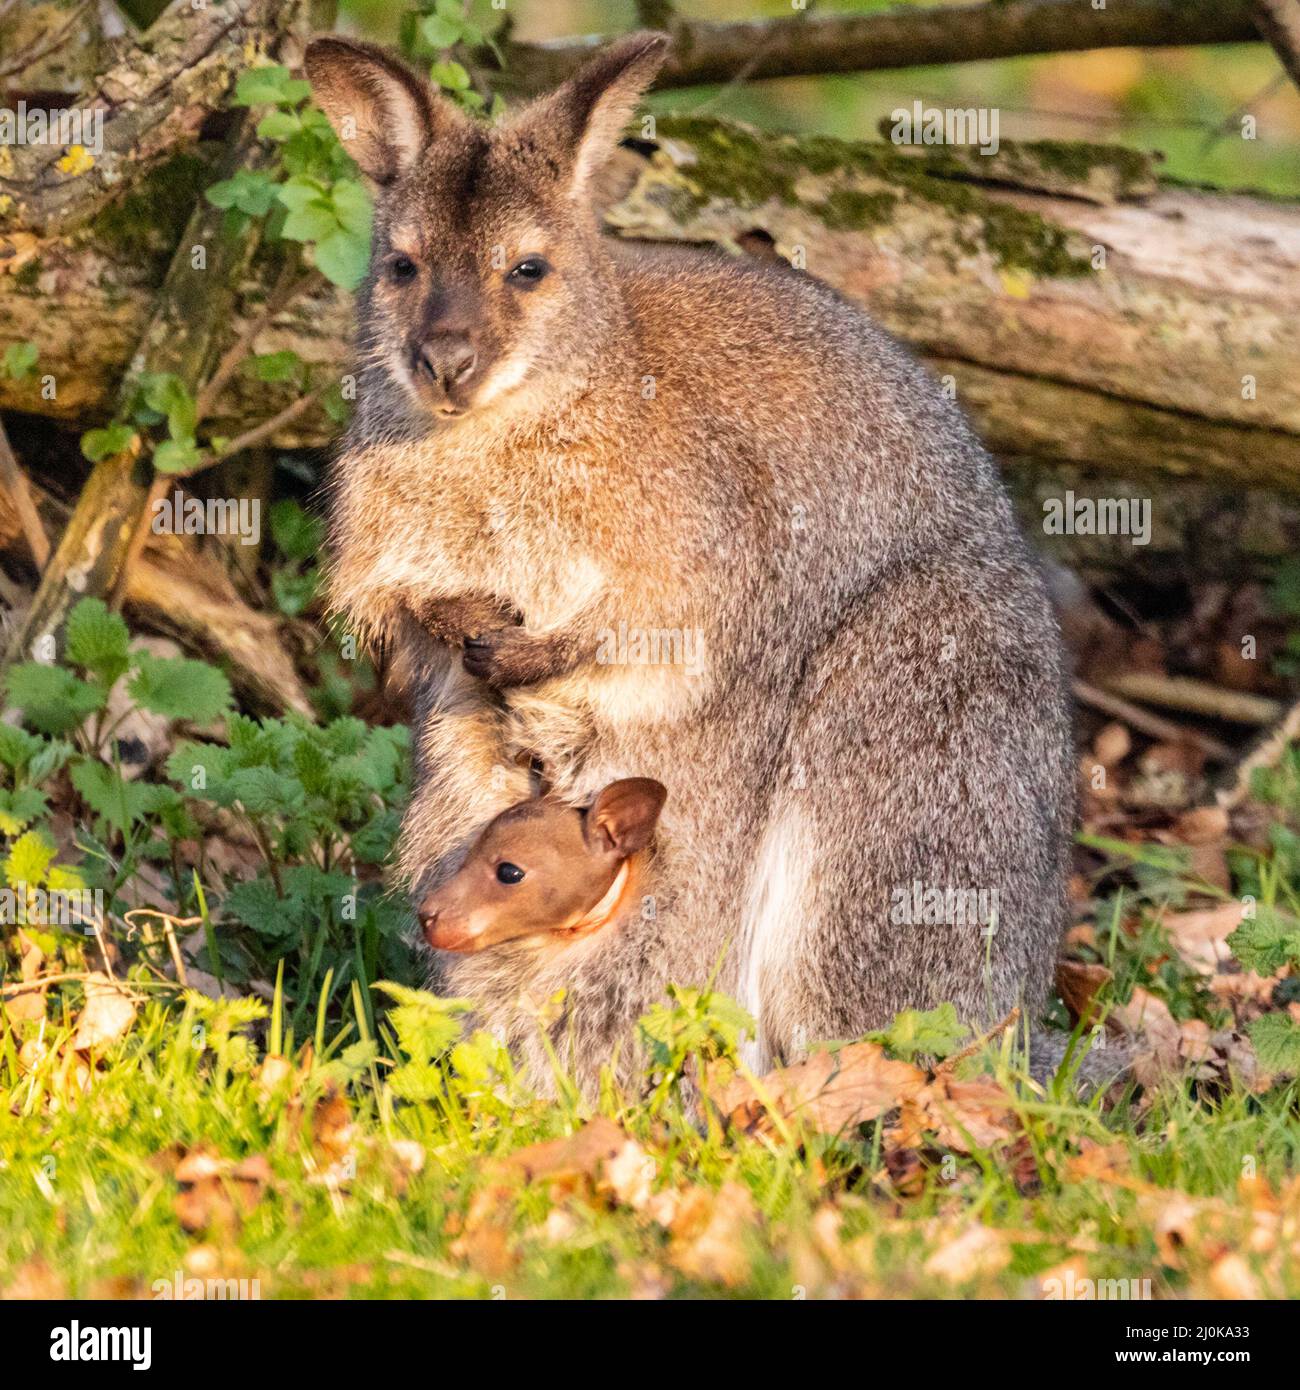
446,361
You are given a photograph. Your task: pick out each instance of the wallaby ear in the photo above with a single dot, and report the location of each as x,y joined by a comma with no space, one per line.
384,115
623,816
587,113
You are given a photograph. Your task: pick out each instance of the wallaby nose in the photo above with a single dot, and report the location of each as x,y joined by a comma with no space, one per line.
446,361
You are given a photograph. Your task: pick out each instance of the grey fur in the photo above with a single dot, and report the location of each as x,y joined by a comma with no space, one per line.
882,697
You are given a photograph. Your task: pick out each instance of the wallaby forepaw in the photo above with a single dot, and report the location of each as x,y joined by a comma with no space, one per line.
508,656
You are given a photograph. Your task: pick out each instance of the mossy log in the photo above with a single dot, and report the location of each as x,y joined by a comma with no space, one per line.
153,96
1086,313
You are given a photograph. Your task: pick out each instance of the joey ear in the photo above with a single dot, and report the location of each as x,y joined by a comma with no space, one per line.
623,816
383,114
588,112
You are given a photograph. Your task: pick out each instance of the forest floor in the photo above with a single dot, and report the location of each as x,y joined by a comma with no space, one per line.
228,1074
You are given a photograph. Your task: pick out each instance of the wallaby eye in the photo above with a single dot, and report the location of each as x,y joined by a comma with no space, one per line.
509,873
528,272
401,270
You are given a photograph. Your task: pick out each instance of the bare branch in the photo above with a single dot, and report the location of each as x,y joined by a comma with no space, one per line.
904,38
1279,22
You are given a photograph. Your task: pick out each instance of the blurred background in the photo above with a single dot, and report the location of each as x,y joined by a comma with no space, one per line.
1186,103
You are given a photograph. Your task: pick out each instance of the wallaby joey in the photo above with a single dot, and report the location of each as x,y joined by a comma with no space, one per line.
546,872
701,521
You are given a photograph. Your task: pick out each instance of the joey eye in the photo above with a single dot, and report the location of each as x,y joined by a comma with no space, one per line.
509,873
528,272
401,270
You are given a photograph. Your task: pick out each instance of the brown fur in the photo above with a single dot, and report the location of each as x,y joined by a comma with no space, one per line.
676,440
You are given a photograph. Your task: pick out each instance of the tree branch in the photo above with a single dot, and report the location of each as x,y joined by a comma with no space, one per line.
1279,22
904,38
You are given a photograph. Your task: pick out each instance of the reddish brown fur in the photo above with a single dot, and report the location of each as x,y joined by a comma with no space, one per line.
879,697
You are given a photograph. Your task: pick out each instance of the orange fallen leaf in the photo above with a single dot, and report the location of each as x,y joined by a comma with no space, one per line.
829,1092
711,1234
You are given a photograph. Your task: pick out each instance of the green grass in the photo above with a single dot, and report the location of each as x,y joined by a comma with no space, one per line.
88,1198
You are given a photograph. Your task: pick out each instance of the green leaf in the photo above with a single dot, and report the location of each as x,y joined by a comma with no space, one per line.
18,360
20,807
179,688
167,394
250,191
177,456
29,859
335,405
110,795
18,747
51,698
449,75
313,221
439,33
264,791
297,534
279,126
48,760
934,1033
293,592
342,258
1276,1039
274,366
256,904
426,1025
98,640
1266,942
102,444
353,208
272,85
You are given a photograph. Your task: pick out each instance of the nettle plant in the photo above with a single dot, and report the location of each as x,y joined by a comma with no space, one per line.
319,805
1268,939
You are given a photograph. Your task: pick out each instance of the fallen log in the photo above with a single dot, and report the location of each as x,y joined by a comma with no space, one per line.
182,589
152,100
183,336
1173,355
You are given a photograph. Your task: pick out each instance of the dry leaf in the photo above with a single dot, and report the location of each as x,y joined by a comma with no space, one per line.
1156,1035
1200,937
978,1250
1112,745
1230,1277
829,1092
575,1155
1078,984
1202,825
629,1176
710,1234
108,1013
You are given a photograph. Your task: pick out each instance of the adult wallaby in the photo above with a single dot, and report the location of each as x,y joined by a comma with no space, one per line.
667,514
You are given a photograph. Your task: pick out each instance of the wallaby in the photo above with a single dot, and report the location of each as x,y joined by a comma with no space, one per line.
672,513
547,873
